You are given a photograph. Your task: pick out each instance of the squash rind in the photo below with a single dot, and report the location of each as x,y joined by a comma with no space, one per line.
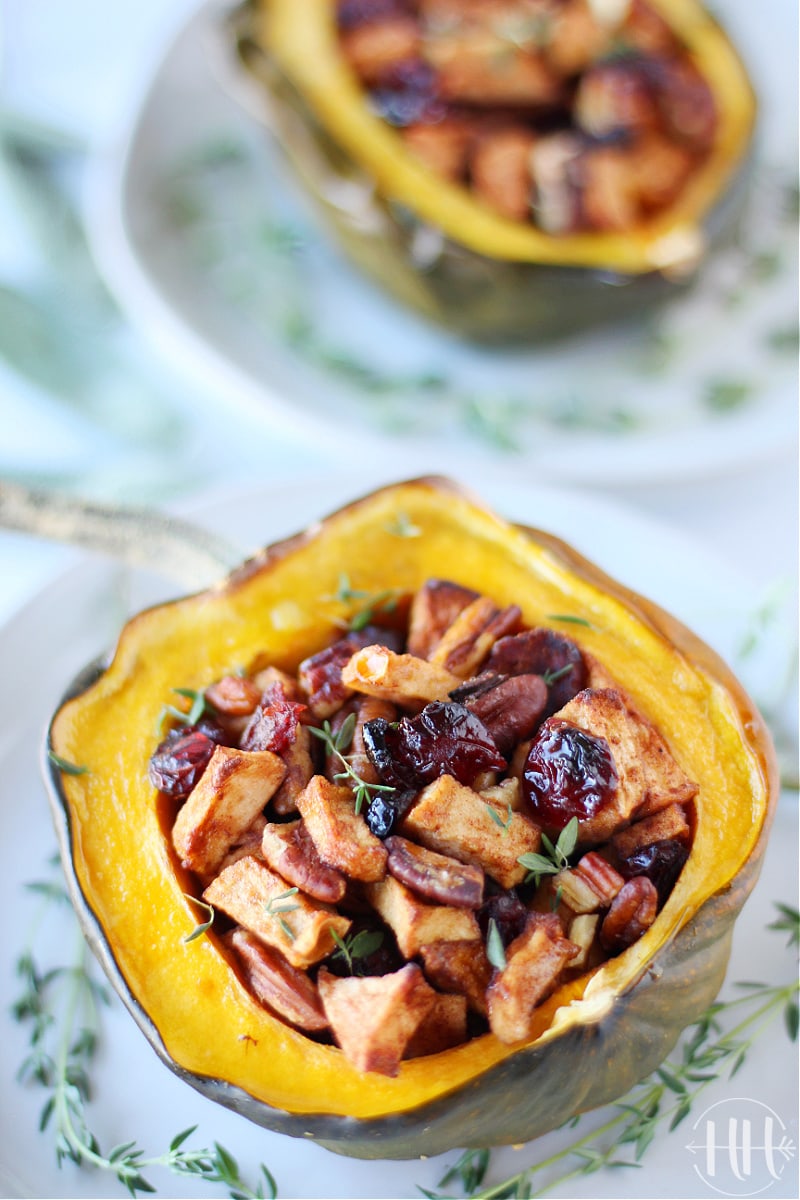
485,1095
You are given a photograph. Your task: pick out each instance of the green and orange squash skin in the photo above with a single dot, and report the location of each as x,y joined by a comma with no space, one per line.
594,1037
485,277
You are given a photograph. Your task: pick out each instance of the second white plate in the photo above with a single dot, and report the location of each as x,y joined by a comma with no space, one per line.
213,252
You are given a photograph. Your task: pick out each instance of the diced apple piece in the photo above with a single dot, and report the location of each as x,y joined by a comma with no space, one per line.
229,795
374,1017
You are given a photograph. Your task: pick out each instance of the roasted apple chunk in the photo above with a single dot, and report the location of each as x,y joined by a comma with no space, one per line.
230,794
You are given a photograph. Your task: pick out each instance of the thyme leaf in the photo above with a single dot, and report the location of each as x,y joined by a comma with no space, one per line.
569,619
64,765
706,1052
199,706
61,1008
556,855
358,945
495,950
384,601
498,820
550,677
335,745
200,929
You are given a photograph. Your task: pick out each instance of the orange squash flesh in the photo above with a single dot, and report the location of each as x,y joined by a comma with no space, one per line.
279,607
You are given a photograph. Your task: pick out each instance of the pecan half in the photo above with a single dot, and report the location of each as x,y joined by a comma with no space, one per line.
631,914
437,877
284,989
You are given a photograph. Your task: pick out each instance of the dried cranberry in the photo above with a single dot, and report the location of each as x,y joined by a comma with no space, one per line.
508,913
542,652
386,810
568,773
661,862
180,759
320,675
273,726
444,739
407,95
352,13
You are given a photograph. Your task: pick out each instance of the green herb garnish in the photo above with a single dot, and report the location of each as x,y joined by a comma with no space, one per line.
662,1101
556,855
62,1006
335,745
495,950
200,929
63,764
357,945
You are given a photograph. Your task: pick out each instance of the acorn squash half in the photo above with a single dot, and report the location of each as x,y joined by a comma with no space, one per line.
595,1037
437,248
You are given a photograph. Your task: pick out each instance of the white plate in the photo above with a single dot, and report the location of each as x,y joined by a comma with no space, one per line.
201,248
135,1096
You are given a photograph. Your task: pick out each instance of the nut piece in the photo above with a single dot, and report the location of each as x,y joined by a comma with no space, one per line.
223,805
400,678
581,932
468,641
290,850
374,1017
256,897
289,993
590,885
534,961
456,821
416,924
649,778
436,877
340,834
631,914
434,607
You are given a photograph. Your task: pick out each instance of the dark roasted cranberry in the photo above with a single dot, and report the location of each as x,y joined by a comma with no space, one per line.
273,726
662,863
444,739
320,675
351,13
386,811
180,759
568,773
542,652
507,911
407,95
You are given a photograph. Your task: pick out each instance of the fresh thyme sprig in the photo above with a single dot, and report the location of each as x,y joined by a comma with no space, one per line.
64,765
384,601
61,1007
199,706
202,926
335,745
556,856
358,945
282,904
662,1101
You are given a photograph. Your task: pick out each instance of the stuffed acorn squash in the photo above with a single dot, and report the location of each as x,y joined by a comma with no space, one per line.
510,168
469,821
